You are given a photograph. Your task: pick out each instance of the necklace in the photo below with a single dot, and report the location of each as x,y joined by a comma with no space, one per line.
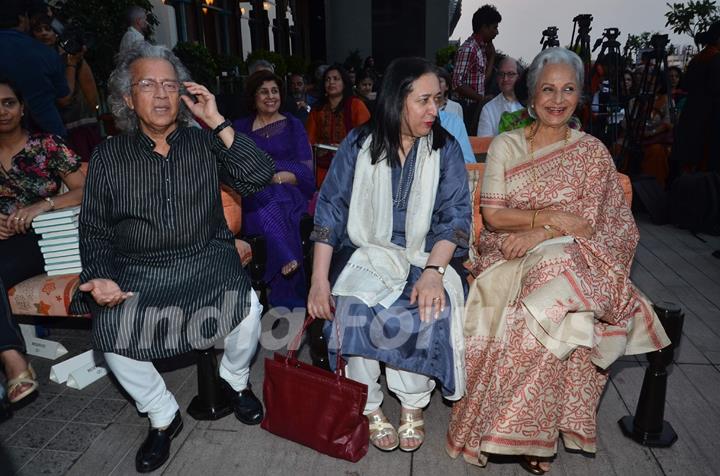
531,140
264,126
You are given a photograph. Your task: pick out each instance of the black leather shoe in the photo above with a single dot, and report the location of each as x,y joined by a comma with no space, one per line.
155,450
248,409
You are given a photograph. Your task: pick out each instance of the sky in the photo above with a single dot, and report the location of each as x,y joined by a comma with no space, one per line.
524,20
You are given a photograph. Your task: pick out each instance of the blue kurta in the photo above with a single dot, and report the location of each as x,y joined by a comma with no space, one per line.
395,335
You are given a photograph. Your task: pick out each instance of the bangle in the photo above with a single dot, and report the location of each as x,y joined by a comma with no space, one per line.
51,202
532,222
68,65
222,126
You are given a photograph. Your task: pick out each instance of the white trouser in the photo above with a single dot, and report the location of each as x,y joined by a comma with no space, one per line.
145,385
412,389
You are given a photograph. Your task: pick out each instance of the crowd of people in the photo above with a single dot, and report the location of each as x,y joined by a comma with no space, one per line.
522,349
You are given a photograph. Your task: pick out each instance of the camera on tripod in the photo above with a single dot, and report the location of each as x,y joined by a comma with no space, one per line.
72,40
659,42
609,35
584,20
550,37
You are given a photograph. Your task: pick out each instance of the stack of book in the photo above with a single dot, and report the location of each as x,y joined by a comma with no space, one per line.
60,244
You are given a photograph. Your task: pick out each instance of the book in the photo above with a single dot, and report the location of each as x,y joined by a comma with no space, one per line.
59,241
57,221
45,229
65,212
66,246
59,266
60,234
58,272
57,254
63,259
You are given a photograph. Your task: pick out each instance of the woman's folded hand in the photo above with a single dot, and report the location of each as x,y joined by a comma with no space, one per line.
570,224
518,243
429,294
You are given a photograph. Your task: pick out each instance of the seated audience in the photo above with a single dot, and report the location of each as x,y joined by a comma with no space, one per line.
334,115
80,115
392,215
161,274
365,89
552,306
32,169
679,95
275,211
303,101
507,75
38,71
447,104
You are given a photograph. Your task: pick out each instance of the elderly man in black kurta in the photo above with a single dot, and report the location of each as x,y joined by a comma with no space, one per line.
161,275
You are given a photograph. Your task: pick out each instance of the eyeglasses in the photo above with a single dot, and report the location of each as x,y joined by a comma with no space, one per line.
150,85
509,75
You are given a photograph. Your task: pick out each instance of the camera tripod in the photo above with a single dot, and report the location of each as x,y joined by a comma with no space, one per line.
550,37
605,118
655,75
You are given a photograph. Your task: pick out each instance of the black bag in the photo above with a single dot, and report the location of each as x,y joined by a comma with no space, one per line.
695,202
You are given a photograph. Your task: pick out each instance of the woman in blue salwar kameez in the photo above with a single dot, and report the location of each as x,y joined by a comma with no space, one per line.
391,229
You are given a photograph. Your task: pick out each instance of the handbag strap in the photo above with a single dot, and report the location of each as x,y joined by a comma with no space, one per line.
295,344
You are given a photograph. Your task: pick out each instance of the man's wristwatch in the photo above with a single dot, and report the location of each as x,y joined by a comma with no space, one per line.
222,126
439,269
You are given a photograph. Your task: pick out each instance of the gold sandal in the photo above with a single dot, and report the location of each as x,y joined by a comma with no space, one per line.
27,377
412,427
380,427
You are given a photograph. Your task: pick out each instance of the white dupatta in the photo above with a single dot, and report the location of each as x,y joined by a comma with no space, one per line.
377,271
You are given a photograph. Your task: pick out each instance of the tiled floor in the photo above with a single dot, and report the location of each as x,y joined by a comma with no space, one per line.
97,431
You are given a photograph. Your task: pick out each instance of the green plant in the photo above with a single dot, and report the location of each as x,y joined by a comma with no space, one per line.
296,64
104,23
443,56
198,60
230,64
692,18
275,58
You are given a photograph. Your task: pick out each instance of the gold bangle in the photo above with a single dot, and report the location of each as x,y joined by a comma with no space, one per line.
532,222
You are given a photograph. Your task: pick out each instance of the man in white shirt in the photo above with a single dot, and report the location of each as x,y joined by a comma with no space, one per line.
507,76
137,19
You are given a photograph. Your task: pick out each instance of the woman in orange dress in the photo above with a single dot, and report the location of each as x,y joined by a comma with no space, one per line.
334,115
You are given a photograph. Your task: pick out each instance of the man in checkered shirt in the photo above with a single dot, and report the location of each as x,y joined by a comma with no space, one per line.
474,62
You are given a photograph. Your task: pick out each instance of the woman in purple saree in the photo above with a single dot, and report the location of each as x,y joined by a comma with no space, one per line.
275,211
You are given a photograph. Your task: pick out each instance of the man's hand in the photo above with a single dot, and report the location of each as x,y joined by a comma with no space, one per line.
205,108
105,292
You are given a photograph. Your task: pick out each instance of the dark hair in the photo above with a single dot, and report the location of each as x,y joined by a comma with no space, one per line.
11,12
521,89
485,15
347,87
13,87
365,74
385,123
40,19
255,82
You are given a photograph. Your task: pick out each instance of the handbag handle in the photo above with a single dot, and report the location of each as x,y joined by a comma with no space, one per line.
295,344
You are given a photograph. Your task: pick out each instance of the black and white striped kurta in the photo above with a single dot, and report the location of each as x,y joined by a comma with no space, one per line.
155,226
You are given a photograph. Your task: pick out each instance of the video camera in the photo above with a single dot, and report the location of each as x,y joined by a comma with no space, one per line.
584,20
610,35
550,37
71,39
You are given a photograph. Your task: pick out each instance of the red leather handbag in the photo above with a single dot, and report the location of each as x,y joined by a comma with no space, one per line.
316,408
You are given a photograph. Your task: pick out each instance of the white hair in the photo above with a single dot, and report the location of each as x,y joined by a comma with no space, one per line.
553,56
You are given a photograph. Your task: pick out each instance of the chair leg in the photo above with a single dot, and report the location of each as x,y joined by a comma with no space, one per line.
256,267
211,402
